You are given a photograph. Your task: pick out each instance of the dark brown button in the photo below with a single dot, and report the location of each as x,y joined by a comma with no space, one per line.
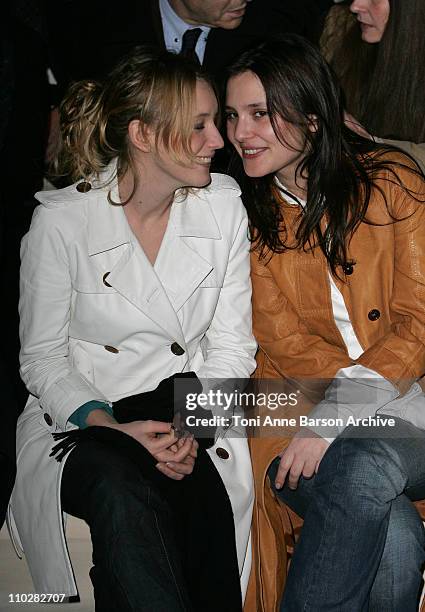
374,314
111,349
348,269
176,349
83,187
48,419
222,453
105,276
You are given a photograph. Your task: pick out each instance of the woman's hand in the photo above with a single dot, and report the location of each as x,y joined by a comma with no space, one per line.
175,457
301,457
155,436
181,465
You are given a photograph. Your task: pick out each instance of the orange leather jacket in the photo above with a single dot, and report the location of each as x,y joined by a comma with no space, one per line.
384,292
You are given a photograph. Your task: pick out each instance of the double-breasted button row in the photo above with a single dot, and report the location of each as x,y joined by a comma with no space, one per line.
372,315
176,349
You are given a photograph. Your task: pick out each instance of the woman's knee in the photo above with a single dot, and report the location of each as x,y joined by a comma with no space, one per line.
100,483
363,464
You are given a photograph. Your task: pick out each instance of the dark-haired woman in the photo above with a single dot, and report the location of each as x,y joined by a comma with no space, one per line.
132,278
338,270
377,49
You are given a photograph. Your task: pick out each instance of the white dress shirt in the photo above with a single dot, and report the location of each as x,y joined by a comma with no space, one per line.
174,27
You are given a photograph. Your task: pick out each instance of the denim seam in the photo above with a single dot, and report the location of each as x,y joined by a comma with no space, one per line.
389,459
321,549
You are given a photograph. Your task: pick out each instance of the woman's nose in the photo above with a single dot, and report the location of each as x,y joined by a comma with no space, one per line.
242,130
216,140
358,6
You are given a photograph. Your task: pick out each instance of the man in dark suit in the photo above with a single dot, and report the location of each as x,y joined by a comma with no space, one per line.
90,37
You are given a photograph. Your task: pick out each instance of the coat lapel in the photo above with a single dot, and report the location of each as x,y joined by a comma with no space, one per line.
132,275
182,264
183,261
136,280
182,270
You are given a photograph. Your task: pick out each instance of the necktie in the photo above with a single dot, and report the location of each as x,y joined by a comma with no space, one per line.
190,38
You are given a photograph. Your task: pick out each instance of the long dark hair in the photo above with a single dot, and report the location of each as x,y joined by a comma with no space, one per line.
340,165
383,82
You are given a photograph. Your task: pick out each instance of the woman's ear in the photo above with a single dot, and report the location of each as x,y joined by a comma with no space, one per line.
139,135
312,123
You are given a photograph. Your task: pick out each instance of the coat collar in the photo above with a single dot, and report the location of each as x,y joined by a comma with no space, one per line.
108,227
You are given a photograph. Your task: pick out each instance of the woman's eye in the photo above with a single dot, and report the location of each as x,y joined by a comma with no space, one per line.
261,113
230,116
199,126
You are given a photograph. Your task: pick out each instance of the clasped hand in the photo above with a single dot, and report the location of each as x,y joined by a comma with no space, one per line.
175,456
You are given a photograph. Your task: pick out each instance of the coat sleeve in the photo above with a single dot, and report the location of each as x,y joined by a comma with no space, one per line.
399,355
229,346
45,311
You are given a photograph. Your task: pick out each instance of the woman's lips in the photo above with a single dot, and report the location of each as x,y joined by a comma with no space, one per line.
252,152
204,160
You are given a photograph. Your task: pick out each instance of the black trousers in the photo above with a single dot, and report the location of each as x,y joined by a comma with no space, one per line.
158,545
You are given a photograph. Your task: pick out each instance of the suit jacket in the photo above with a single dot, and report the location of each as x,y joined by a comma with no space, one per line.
89,336
91,36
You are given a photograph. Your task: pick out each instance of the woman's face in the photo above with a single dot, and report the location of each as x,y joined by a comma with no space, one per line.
251,133
204,142
206,138
372,16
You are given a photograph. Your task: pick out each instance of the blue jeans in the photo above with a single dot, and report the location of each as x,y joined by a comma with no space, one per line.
362,544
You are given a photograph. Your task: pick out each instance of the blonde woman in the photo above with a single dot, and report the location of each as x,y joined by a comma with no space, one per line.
134,276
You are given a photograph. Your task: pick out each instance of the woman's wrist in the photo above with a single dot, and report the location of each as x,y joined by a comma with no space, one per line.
80,416
99,417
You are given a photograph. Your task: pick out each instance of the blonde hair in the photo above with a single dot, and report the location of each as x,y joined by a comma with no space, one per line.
156,88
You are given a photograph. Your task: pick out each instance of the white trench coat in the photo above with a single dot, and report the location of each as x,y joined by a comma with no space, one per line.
197,294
